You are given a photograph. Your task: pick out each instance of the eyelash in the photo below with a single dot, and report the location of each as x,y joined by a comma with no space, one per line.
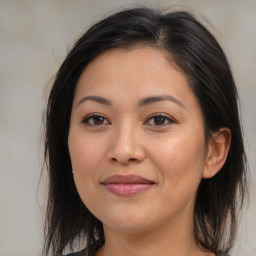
166,117
90,117
157,115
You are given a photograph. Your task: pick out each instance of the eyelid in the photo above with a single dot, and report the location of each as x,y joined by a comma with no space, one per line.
86,118
169,118
166,116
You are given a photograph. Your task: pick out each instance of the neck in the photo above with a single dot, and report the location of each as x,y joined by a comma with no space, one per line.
168,239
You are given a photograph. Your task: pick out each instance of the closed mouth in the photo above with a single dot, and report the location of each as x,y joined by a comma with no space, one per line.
127,185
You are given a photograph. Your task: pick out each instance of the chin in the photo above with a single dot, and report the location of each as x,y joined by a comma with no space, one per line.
127,219
127,227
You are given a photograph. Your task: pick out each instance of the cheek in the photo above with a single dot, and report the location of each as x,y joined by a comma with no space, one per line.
180,162
86,152
86,156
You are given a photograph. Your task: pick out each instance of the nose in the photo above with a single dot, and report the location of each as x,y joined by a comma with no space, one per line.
126,146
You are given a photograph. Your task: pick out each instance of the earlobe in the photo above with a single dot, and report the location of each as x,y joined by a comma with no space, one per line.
218,148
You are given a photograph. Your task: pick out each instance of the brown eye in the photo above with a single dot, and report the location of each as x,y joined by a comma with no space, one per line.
95,120
159,120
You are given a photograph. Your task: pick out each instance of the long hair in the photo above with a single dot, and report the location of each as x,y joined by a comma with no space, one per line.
194,49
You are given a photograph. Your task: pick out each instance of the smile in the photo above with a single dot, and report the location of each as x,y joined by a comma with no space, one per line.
128,185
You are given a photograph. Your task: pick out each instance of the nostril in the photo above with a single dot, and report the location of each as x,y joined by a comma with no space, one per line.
114,159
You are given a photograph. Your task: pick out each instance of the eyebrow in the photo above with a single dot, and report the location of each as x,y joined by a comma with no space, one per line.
96,99
154,99
143,102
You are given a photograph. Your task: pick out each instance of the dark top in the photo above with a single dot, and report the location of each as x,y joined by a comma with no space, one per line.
83,253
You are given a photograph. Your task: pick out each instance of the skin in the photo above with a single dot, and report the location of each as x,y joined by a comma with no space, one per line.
126,139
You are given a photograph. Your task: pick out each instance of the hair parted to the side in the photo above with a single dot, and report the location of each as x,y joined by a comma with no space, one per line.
193,48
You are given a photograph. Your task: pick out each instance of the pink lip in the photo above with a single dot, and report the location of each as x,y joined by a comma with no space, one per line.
128,185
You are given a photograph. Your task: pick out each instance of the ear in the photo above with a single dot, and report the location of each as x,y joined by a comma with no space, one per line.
218,148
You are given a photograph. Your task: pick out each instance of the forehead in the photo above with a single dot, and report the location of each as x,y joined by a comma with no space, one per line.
128,75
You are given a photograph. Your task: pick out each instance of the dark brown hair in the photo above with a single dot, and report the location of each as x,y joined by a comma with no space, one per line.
194,49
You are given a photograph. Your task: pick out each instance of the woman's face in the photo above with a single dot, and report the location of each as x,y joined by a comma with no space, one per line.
136,140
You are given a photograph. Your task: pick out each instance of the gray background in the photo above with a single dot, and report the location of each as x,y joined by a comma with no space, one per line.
34,38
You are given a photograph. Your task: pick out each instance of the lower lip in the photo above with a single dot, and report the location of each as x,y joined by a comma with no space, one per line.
127,189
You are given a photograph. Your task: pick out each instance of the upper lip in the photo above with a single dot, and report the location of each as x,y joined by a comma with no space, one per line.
126,179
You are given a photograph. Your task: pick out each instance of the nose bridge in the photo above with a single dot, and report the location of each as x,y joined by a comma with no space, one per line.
126,144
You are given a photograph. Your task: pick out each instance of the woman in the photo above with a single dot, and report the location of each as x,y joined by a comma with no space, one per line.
143,141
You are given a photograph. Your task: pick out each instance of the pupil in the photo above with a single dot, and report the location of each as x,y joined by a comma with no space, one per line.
159,120
98,120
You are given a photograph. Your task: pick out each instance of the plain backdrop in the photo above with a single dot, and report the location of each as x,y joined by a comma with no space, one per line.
35,36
